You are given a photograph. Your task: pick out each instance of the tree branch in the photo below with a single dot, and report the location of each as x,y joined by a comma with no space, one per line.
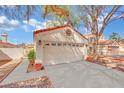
107,18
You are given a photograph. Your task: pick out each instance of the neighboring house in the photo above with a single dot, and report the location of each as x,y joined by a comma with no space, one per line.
8,50
109,47
60,44
7,45
121,48
91,40
4,42
4,37
105,47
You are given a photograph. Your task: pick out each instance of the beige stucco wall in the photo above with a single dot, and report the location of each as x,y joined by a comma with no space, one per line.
13,52
4,57
60,35
59,54
121,50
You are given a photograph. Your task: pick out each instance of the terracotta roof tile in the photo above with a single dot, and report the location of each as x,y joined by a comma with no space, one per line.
105,42
49,29
3,43
54,28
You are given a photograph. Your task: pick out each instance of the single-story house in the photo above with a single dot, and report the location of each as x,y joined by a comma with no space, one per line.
7,45
109,47
121,48
4,42
60,44
9,51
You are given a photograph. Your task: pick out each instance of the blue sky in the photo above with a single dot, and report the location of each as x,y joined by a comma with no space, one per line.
115,26
20,34
19,31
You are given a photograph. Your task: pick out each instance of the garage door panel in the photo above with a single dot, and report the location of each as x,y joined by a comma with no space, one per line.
61,54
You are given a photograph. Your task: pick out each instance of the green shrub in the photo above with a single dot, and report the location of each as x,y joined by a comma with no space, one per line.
32,55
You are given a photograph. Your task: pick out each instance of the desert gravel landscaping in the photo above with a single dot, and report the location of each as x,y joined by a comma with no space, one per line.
42,82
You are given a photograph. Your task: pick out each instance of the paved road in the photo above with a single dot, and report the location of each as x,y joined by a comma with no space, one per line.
20,73
83,74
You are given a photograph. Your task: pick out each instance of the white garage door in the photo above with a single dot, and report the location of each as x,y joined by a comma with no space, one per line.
54,54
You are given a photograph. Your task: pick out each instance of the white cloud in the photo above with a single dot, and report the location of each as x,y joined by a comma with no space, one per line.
26,28
14,23
34,23
8,6
38,25
8,25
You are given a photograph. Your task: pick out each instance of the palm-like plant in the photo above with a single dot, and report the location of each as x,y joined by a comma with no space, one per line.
115,36
32,56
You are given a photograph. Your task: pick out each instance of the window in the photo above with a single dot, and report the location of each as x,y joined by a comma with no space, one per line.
39,42
53,44
59,44
81,45
77,45
64,44
90,39
69,44
73,45
47,44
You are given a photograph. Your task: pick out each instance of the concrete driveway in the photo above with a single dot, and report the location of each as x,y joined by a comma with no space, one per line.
20,73
84,74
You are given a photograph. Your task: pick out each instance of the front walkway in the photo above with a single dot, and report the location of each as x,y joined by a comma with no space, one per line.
84,74
20,73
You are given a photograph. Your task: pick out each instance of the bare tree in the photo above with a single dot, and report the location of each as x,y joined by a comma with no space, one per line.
96,19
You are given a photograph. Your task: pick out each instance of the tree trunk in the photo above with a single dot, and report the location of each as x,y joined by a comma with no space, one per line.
93,53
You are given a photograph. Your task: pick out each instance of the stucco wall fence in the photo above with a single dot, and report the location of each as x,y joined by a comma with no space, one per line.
13,53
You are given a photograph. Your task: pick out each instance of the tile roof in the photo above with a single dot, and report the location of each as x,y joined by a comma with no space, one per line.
49,29
122,43
57,27
105,42
3,44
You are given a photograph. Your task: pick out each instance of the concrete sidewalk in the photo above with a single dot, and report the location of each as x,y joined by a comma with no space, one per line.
20,73
84,74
